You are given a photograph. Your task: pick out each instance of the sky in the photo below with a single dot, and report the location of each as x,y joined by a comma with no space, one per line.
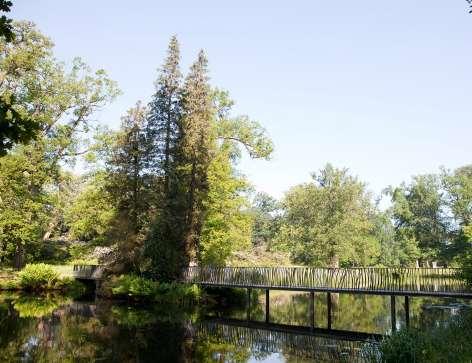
380,87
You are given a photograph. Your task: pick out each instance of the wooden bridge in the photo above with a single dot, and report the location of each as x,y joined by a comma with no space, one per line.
440,282
379,281
81,272
405,282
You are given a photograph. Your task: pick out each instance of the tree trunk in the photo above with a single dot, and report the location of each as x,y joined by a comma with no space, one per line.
334,261
19,259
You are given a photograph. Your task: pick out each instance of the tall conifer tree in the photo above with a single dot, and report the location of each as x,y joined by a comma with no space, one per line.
174,240
197,147
126,167
164,114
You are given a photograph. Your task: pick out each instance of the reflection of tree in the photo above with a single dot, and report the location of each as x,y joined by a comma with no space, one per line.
38,306
213,349
90,332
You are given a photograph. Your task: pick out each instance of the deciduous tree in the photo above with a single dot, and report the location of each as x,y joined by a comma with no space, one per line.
327,222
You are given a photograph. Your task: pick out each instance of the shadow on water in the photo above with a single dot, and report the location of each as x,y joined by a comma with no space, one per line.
53,328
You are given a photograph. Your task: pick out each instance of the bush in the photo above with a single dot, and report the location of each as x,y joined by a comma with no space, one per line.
132,285
449,343
140,288
38,277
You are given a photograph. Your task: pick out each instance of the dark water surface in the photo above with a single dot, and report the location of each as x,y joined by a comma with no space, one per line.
58,329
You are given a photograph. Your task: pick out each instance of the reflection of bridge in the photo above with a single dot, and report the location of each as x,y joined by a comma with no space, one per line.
265,338
319,344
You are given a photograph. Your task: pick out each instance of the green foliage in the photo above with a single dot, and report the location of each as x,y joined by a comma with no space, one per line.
466,258
384,232
23,213
81,253
228,221
266,212
175,237
38,276
132,285
450,343
128,182
227,226
63,103
430,214
140,288
327,222
90,214
419,216
41,277
38,306
15,126
6,28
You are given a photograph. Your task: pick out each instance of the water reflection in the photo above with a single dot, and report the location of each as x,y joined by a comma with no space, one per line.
58,329
352,312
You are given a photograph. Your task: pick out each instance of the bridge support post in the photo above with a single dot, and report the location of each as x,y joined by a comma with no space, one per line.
248,304
312,310
407,311
393,313
328,301
267,311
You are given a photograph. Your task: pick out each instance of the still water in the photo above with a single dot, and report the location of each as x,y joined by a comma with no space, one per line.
59,329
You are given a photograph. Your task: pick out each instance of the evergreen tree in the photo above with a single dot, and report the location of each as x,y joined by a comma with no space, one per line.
174,241
196,148
132,187
128,180
164,114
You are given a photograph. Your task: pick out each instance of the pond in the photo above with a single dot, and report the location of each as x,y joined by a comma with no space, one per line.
54,328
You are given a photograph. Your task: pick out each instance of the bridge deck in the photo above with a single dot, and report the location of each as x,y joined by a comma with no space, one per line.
379,281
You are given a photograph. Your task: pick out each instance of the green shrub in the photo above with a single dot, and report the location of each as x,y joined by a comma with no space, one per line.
38,277
450,343
132,285
140,288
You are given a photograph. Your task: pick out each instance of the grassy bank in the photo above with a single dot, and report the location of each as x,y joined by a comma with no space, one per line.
37,278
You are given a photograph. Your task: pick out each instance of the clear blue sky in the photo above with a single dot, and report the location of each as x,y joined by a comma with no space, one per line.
381,87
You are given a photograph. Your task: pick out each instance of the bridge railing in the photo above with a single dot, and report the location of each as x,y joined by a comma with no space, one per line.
361,279
84,272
